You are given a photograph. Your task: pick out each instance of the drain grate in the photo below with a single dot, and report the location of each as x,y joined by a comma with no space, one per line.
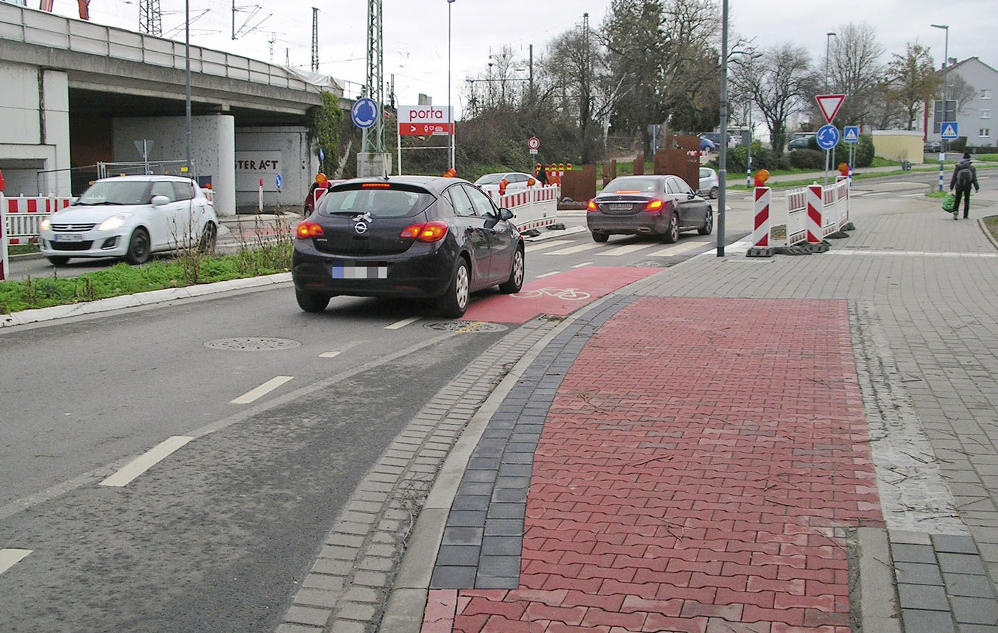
252,344
466,326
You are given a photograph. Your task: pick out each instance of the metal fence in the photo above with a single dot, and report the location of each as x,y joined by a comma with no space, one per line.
75,180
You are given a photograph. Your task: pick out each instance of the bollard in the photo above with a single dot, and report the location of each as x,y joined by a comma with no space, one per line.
260,204
761,235
815,204
4,263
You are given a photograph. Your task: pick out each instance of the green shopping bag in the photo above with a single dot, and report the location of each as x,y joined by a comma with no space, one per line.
949,202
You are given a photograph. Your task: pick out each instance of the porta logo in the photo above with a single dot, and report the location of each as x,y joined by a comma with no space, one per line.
427,114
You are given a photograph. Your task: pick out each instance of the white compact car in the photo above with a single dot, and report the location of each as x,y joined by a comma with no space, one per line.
131,217
516,181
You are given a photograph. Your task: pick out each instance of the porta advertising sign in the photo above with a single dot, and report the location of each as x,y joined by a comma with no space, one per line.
425,120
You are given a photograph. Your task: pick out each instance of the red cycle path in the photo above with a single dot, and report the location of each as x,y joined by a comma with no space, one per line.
542,295
691,475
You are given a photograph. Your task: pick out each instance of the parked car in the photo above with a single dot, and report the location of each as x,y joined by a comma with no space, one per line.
933,147
516,181
708,182
130,217
412,237
648,205
707,145
801,142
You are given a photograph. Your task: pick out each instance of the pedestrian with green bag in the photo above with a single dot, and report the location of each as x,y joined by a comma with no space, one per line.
963,177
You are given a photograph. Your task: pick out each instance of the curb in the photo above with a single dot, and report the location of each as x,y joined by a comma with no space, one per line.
876,583
987,233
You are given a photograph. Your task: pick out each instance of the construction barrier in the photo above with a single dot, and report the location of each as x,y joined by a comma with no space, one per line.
816,212
760,211
535,207
4,263
25,215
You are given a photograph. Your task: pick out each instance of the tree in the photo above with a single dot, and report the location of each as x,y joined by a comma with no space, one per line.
960,91
912,81
777,83
854,70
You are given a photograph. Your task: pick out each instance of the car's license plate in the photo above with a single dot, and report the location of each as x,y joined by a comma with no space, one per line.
349,270
68,237
620,207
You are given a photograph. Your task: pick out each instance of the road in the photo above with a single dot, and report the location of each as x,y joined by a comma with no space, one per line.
266,445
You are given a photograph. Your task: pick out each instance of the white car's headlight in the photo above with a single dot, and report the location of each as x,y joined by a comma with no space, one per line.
46,225
114,222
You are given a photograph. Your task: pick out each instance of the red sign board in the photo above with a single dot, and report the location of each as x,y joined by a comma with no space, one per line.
425,129
830,105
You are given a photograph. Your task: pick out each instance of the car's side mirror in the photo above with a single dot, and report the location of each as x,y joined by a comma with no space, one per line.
506,214
74,200
690,195
158,201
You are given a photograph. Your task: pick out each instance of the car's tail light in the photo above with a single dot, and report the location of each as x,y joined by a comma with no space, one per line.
591,207
654,205
376,185
309,229
425,232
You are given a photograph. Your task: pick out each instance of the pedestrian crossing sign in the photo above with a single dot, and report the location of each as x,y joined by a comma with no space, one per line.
949,130
851,134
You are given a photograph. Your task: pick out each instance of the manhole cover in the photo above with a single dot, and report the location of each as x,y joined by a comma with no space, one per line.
466,326
252,344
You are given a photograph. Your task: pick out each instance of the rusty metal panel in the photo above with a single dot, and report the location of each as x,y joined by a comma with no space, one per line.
579,184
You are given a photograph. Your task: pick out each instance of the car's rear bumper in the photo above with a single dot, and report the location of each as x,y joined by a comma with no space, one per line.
634,224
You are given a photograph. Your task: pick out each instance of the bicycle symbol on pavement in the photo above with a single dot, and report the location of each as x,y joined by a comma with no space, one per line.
566,294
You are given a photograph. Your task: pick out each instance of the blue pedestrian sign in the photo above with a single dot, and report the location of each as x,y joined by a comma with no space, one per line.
850,134
950,130
828,137
278,182
322,154
364,113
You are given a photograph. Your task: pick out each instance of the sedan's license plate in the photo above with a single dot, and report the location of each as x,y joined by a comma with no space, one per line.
620,207
349,270
68,237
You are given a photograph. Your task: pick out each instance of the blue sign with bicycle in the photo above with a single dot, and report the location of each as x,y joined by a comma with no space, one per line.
828,137
364,113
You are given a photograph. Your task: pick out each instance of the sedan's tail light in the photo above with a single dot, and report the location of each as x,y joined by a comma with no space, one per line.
425,232
654,205
591,207
308,229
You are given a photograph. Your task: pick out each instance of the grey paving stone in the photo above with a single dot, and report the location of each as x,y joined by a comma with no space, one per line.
453,577
466,518
975,610
480,476
507,510
954,544
471,488
307,615
968,585
927,621
961,564
502,545
512,495
499,566
512,482
930,597
462,536
458,555
471,502
969,628
504,527
516,470
493,582
913,553
918,573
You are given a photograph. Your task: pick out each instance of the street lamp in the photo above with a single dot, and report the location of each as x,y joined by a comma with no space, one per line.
187,81
450,110
828,42
942,118
722,155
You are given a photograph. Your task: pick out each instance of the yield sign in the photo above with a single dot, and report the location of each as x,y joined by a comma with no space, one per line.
830,105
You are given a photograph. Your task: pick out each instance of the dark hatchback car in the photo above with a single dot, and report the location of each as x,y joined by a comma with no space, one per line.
406,237
648,205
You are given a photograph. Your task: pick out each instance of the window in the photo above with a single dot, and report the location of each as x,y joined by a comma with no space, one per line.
985,114
481,202
163,188
985,132
985,93
185,190
462,206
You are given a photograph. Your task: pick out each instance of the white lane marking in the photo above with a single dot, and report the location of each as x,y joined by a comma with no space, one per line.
328,354
582,265
10,557
622,250
398,325
262,390
914,253
343,348
547,274
576,249
531,247
677,249
557,234
877,193
147,460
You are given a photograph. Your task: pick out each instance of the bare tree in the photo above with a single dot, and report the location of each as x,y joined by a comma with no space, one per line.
912,81
959,90
855,70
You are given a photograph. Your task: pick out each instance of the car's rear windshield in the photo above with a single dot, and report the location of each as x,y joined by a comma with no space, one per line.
633,185
116,192
489,179
380,200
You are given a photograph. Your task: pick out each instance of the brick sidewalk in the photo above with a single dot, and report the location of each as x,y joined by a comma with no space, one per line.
696,471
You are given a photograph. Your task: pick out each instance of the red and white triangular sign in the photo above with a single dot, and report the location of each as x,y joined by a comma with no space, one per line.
830,105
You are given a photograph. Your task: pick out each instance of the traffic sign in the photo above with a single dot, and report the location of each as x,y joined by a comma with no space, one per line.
424,129
851,134
364,112
322,154
533,151
830,105
950,130
534,143
278,182
828,137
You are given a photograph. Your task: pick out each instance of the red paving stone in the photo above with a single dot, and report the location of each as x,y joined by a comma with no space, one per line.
703,451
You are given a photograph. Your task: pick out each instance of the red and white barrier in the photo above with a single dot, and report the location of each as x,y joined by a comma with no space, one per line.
816,212
535,207
761,226
4,264
815,206
25,215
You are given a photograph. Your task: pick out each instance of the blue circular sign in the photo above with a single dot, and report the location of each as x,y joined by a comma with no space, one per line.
278,181
828,137
364,112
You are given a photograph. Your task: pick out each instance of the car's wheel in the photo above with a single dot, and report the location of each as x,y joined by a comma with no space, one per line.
671,234
515,281
708,223
713,193
57,260
311,301
455,301
139,249
209,237
600,237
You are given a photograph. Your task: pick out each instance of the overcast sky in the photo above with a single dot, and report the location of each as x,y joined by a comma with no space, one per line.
415,31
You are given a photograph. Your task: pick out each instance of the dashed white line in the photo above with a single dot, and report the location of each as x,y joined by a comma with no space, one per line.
262,390
575,249
10,557
147,460
622,250
677,249
329,354
582,265
533,246
547,274
398,325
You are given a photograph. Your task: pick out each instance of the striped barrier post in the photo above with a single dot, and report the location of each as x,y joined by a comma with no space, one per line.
3,238
761,227
815,204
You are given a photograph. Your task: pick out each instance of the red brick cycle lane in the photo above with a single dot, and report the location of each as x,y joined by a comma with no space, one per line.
694,474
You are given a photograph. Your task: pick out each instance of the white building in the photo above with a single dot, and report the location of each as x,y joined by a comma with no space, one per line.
976,117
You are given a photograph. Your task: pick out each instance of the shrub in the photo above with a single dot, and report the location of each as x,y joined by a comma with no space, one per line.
807,159
864,152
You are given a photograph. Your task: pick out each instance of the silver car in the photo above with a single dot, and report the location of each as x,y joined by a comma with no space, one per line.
648,205
708,182
130,217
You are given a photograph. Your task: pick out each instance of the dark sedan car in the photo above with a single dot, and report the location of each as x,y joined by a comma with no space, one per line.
406,237
654,205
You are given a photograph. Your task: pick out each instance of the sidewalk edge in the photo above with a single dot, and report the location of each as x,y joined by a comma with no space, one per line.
987,233
877,601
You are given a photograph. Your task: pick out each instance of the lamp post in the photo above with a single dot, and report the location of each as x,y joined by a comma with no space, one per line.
722,157
828,43
187,81
450,109
942,118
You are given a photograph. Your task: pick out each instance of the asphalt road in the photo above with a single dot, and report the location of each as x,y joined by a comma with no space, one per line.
215,536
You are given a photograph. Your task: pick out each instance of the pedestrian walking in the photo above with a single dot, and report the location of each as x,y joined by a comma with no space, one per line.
964,176
321,184
541,176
